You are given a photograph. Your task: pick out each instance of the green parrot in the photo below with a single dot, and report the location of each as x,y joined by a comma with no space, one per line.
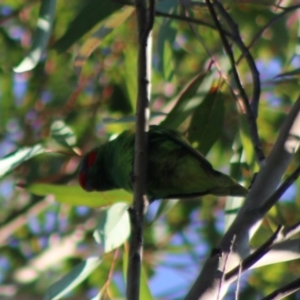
175,169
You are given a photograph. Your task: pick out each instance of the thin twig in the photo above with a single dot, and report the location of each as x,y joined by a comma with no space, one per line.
282,251
280,191
213,59
145,21
207,283
254,257
250,116
110,275
284,291
238,282
190,20
269,24
246,53
291,231
285,11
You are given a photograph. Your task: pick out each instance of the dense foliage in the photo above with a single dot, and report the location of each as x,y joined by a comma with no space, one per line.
77,89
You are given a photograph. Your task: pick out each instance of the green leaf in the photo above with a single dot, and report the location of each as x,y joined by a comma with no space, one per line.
62,134
233,204
145,292
99,35
94,12
164,208
190,97
75,195
13,160
114,227
207,122
131,119
72,279
246,139
129,72
165,40
40,38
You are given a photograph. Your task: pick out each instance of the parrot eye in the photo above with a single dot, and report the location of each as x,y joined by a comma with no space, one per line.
91,158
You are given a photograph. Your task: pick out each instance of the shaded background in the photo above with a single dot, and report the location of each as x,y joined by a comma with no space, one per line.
40,239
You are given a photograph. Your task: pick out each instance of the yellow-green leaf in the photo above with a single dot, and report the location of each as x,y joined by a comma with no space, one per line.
75,195
104,29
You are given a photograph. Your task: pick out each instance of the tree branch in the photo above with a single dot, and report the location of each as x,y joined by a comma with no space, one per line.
284,291
286,250
207,284
253,257
145,21
250,115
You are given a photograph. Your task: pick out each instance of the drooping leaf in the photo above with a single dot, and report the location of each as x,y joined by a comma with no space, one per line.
191,96
145,292
6,103
246,140
94,12
165,40
62,134
74,195
207,122
119,101
13,160
72,279
113,228
40,38
131,119
105,28
164,208
233,204
129,73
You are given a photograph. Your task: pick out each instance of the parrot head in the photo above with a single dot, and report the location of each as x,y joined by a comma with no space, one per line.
94,172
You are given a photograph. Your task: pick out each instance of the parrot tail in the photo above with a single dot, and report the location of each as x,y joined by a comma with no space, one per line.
235,190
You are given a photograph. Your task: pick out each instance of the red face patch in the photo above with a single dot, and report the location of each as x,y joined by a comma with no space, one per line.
91,158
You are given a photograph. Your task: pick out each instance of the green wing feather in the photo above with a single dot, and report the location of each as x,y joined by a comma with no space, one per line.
178,138
175,169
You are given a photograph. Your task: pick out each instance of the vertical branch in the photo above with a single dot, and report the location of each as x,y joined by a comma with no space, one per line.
145,20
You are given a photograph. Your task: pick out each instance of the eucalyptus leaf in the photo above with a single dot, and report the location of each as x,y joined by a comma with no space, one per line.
94,12
72,279
188,100
165,40
41,36
131,119
113,228
145,292
75,195
163,208
207,122
13,160
62,134
105,28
